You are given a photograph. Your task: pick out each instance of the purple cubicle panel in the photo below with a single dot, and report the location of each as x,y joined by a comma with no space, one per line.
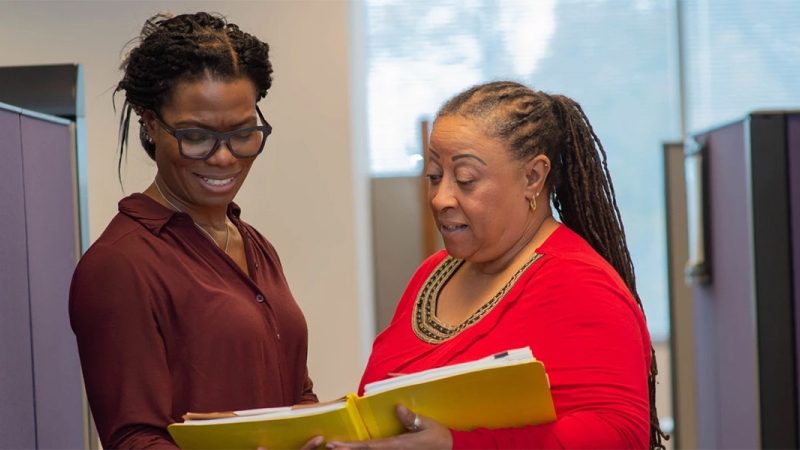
725,326
52,255
793,150
17,423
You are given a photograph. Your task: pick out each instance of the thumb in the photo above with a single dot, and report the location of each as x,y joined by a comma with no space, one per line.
406,417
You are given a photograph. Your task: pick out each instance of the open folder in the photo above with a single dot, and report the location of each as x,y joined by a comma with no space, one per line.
509,389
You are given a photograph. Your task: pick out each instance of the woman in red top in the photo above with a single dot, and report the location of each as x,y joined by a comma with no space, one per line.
512,276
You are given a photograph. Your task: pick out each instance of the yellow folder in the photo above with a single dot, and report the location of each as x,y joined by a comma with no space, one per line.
340,421
495,392
502,397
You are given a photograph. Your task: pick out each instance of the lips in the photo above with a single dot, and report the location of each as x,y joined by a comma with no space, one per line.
451,227
217,181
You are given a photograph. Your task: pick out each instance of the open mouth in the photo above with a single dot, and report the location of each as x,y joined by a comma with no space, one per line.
452,228
217,182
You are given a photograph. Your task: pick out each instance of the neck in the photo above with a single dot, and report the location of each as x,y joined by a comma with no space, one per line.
539,229
207,218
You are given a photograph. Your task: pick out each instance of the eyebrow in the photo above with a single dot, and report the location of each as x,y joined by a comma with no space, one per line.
469,156
433,151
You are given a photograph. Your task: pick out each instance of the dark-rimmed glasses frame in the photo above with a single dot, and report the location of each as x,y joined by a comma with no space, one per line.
178,134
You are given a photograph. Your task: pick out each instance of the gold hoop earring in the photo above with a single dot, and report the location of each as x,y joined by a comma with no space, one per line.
532,202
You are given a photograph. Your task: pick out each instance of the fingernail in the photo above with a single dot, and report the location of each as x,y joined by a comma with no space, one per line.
330,445
318,441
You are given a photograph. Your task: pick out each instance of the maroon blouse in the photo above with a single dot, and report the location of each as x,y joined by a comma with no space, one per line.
167,323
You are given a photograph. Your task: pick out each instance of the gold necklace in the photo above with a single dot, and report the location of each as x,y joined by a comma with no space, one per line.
424,322
227,228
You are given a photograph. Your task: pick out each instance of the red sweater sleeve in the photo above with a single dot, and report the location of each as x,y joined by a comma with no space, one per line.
585,326
122,354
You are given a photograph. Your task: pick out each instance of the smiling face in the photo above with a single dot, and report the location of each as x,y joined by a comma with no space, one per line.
212,105
477,192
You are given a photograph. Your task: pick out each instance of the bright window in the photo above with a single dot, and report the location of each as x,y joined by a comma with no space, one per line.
741,55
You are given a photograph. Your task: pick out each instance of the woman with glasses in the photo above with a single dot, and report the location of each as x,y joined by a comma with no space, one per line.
180,305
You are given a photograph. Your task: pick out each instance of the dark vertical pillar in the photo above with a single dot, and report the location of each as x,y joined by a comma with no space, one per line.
793,152
17,424
52,255
772,253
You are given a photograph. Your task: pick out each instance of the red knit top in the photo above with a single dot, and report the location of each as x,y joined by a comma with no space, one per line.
579,319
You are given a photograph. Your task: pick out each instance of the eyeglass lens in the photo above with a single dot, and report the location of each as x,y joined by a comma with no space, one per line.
198,144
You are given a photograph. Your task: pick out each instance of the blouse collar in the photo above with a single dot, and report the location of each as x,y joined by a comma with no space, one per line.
153,215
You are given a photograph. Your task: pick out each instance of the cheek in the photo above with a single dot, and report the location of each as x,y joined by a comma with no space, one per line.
247,164
170,162
494,211
172,165
167,151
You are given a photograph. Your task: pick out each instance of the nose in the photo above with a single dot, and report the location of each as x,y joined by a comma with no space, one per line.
441,196
223,156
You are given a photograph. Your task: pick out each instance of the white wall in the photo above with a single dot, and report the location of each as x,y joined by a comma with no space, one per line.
306,192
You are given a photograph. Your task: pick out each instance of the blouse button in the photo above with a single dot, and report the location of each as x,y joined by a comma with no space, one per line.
260,298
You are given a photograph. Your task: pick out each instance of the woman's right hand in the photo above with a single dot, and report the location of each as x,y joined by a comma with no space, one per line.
310,445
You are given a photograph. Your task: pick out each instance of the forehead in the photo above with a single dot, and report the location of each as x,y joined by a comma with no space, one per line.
210,95
454,135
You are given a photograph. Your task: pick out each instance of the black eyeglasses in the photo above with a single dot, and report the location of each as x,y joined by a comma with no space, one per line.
202,144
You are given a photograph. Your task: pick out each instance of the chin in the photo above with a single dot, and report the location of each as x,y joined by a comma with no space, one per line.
456,251
215,202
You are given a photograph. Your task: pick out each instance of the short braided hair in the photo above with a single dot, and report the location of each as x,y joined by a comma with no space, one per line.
532,123
188,47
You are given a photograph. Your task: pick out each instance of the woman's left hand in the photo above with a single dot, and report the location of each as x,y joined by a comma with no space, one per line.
429,434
